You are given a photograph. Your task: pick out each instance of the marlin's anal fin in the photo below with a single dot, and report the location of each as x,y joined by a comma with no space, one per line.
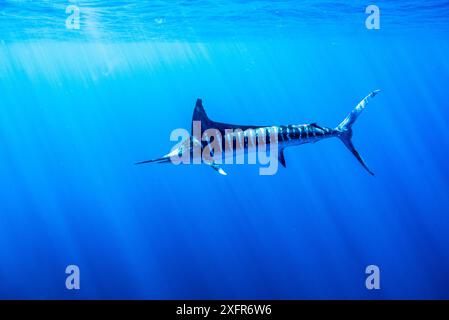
282,158
217,168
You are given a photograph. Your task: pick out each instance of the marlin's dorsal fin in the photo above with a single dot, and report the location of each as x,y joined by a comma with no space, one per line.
199,114
316,126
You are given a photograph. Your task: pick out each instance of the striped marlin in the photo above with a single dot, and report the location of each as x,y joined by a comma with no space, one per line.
251,137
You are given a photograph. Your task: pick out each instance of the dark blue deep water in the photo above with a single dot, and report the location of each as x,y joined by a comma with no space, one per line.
79,106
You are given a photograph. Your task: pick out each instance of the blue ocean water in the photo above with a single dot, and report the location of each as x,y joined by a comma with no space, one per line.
79,106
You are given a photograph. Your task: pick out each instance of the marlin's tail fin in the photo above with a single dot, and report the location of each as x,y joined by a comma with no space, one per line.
164,159
345,128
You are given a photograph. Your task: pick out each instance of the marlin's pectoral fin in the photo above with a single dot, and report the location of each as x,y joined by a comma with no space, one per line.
217,168
282,158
